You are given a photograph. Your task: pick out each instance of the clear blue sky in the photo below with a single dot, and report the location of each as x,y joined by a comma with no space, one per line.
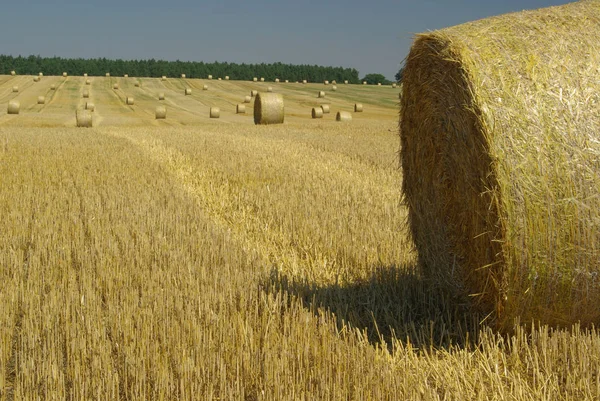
372,36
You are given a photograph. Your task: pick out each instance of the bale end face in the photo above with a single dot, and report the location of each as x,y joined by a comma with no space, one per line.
346,82
163,78
84,118
215,112
268,109
52,87
182,75
254,79
137,84
276,80
85,74
107,74
334,88
160,113
13,107
317,112
253,92
85,94
88,82
226,77
64,74
126,76
210,77
262,79
343,116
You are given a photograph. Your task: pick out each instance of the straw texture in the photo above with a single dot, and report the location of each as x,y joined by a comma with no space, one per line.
343,116
160,113
84,118
215,112
268,108
317,112
240,109
13,107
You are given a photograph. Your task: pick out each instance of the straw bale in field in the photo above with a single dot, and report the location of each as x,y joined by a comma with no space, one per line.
247,99
188,91
64,74
115,86
161,96
13,73
204,87
253,92
364,82
136,84
15,88
240,109
317,112
334,88
326,82
358,107
85,94
287,81
210,77
160,113
276,80
325,108
126,76
41,74
88,82
182,75
394,85
13,107
52,87
215,112
163,78
346,82
41,100
500,150
90,106
108,74
254,79
321,94
84,118
343,116
85,74
262,79
269,89
268,108
36,79
304,81
226,77
129,100
333,82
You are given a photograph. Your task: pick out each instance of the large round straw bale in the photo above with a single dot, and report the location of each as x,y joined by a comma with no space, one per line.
209,76
346,82
36,79
64,74
160,113
268,108
13,107
215,112
182,75
13,73
358,107
240,109
137,84
394,85
321,94
378,83
83,117
343,116
161,96
253,92
88,82
115,86
277,80
226,77
364,82
41,74
326,82
269,89
85,74
108,74
304,81
262,79
52,87
41,100
287,81
204,87
188,91
164,78
334,88
333,82
129,100
85,94
15,88
90,106
254,79
218,79
325,108
247,99
500,137
126,76
317,112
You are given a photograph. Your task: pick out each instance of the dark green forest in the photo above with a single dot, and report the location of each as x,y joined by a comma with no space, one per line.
32,65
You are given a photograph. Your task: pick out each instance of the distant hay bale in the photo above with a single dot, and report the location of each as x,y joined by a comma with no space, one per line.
161,96
333,82
346,82
500,137
276,80
188,91
334,88
84,118
378,83
215,112
85,74
85,94
394,85
204,87
247,99
268,108
41,74
269,89
262,79
317,112
287,81
254,79
13,73
358,107
209,76
115,86
364,82
36,79
136,84
304,81
240,109
41,100
253,92
218,79
325,108
164,78
226,77
52,87
13,107
326,82
182,75
15,88
90,106
343,116
321,94
64,74
160,113
126,76
129,100
108,74
88,82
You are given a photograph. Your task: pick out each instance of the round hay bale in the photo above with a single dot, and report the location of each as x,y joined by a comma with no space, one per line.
204,87
276,80
317,112
262,79
129,100
88,82
394,85
253,92
333,82
326,82
85,94
85,74
163,78
13,107
215,112
240,109
53,87
321,94
378,83
210,77
84,118
36,79
161,96
358,107
218,79
334,88
182,75
115,86
90,106
13,73
325,108
41,74
136,84
364,82
188,91
64,74
343,116
226,77
268,108
304,81
108,74
346,82
247,99
499,151
41,100
269,89
287,81
15,88
160,113
126,76
254,79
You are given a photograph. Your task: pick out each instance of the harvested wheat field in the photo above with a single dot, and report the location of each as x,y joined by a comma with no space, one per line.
193,258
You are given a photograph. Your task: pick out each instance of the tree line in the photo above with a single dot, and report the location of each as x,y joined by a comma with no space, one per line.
32,65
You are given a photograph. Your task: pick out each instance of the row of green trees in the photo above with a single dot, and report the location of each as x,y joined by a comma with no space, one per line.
156,68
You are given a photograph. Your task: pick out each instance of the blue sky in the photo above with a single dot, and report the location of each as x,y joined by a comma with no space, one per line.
371,36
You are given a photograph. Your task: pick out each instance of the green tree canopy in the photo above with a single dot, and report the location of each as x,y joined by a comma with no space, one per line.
374,79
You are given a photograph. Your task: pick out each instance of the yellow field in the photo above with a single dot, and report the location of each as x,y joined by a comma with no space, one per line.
195,258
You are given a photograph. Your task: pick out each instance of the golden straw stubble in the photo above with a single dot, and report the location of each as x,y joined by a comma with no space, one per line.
268,108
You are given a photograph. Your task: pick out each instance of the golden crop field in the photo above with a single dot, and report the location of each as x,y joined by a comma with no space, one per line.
211,259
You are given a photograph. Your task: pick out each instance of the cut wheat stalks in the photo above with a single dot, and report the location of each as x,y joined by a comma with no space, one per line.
343,116
129,100
240,109
161,96
90,106
13,107
317,112
15,88
268,108
325,108
83,118
215,112
41,100
358,107
500,137
321,94
160,113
